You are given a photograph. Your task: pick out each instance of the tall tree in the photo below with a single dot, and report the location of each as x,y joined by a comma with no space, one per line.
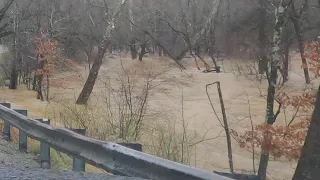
16,59
132,41
295,17
4,32
3,28
94,71
263,38
286,47
228,35
270,118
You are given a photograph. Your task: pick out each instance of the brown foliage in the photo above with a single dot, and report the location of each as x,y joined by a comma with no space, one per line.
50,53
286,140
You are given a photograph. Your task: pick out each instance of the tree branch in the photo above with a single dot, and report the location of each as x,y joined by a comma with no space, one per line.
3,11
6,34
175,58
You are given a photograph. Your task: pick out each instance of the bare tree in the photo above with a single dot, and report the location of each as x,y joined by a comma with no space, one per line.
93,74
263,38
281,18
4,32
295,17
287,41
3,28
132,41
14,64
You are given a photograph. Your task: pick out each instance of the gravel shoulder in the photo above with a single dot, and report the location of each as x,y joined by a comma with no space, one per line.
10,156
13,173
15,165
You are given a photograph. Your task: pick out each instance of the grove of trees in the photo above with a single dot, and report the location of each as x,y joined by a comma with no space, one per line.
43,35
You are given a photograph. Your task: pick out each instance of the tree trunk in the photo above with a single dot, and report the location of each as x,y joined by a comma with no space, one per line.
142,52
93,74
34,83
94,71
262,62
110,49
132,42
133,50
14,70
272,80
212,49
153,48
160,51
297,29
308,167
211,36
285,71
215,63
262,58
228,33
39,87
14,76
35,76
287,41
165,54
48,87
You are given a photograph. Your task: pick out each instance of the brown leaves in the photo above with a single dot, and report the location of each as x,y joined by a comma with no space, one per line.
303,101
280,141
50,53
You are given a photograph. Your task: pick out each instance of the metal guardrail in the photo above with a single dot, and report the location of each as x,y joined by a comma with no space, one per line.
112,157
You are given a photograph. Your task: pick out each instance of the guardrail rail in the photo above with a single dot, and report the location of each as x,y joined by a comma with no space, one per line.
112,157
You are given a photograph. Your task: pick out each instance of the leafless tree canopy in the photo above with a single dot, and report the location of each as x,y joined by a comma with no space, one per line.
170,27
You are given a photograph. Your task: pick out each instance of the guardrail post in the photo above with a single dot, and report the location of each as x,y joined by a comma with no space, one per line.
79,164
134,146
6,125
45,149
23,138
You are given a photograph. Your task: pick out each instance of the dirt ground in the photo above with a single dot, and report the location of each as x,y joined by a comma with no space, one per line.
237,92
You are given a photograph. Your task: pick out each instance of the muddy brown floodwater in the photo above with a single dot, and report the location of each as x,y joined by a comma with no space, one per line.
167,97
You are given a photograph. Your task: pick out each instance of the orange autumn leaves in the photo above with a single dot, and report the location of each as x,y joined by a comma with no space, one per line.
304,101
52,58
48,53
285,140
